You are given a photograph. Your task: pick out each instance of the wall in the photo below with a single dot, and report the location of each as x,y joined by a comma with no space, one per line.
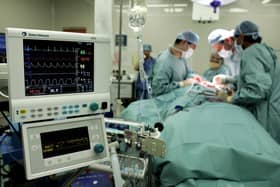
73,13
25,13
47,14
161,28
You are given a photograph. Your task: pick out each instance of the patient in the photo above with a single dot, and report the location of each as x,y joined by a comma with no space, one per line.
217,67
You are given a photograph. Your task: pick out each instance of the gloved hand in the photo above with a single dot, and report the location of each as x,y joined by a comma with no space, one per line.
222,95
219,79
230,95
188,81
225,95
229,99
198,78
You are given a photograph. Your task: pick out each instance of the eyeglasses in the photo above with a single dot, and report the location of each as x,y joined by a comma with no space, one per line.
189,43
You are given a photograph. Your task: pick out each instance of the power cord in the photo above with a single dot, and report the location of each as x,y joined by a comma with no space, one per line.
11,125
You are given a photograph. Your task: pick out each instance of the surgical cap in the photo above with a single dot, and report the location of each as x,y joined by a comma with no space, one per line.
189,36
247,28
219,35
147,47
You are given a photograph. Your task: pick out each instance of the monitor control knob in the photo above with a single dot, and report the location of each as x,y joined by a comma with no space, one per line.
98,148
93,106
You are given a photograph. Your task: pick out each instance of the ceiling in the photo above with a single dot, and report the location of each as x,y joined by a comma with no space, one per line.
185,6
189,2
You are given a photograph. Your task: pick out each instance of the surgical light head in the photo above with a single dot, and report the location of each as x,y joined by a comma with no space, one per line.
247,28
189,36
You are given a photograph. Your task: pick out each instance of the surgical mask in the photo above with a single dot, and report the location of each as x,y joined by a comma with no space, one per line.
238,48
225,53
187,54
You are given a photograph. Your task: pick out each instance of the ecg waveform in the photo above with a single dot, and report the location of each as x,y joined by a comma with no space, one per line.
50,65
57,67
49,82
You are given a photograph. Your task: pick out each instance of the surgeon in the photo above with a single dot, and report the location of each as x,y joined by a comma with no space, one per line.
222,42
258,84
216,67
171,70
149,62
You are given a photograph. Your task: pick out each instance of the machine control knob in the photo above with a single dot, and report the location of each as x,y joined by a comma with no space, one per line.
93,106
98,148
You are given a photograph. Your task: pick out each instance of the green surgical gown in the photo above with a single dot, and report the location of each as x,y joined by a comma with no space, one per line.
169,70
210,73
259,87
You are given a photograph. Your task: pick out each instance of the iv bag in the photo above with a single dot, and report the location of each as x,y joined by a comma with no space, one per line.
137,14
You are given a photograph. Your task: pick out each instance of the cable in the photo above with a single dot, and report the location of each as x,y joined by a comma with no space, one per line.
11,125
150,172
189,89
71,179
2,140
4,95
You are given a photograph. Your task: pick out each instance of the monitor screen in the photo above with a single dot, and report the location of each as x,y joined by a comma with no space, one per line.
53,70
3,58
62,142
58,67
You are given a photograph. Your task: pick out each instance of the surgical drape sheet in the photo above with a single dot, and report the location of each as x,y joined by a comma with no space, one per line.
211,144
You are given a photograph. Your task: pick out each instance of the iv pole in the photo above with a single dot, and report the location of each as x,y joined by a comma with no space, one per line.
118,101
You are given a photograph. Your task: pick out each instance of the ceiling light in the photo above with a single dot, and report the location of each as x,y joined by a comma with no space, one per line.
265,1
166,5
173,10
158,5
238,10
178,10
168,10
181,5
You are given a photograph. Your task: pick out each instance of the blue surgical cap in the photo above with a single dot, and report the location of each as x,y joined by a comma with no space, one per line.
247,28
189,36
147,47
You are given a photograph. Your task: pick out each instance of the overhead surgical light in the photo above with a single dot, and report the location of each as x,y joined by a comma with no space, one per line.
214,3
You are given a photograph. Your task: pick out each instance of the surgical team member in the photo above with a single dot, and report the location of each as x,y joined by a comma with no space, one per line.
216,67
171,70
222,42
149,62
258,84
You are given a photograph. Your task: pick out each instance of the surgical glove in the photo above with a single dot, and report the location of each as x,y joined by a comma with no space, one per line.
229,99
188,81
230,96
198,78
222,94
219,79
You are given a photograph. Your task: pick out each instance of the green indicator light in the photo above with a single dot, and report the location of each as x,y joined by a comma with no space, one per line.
82,52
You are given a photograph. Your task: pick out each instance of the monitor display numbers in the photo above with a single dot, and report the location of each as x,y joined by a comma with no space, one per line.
58,67
63,142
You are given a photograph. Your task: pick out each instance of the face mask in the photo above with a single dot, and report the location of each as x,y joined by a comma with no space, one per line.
225,53
214,65
187,54
238,48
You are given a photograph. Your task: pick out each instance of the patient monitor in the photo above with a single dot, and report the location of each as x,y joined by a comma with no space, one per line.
57,74
3,69
3,81
60,145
